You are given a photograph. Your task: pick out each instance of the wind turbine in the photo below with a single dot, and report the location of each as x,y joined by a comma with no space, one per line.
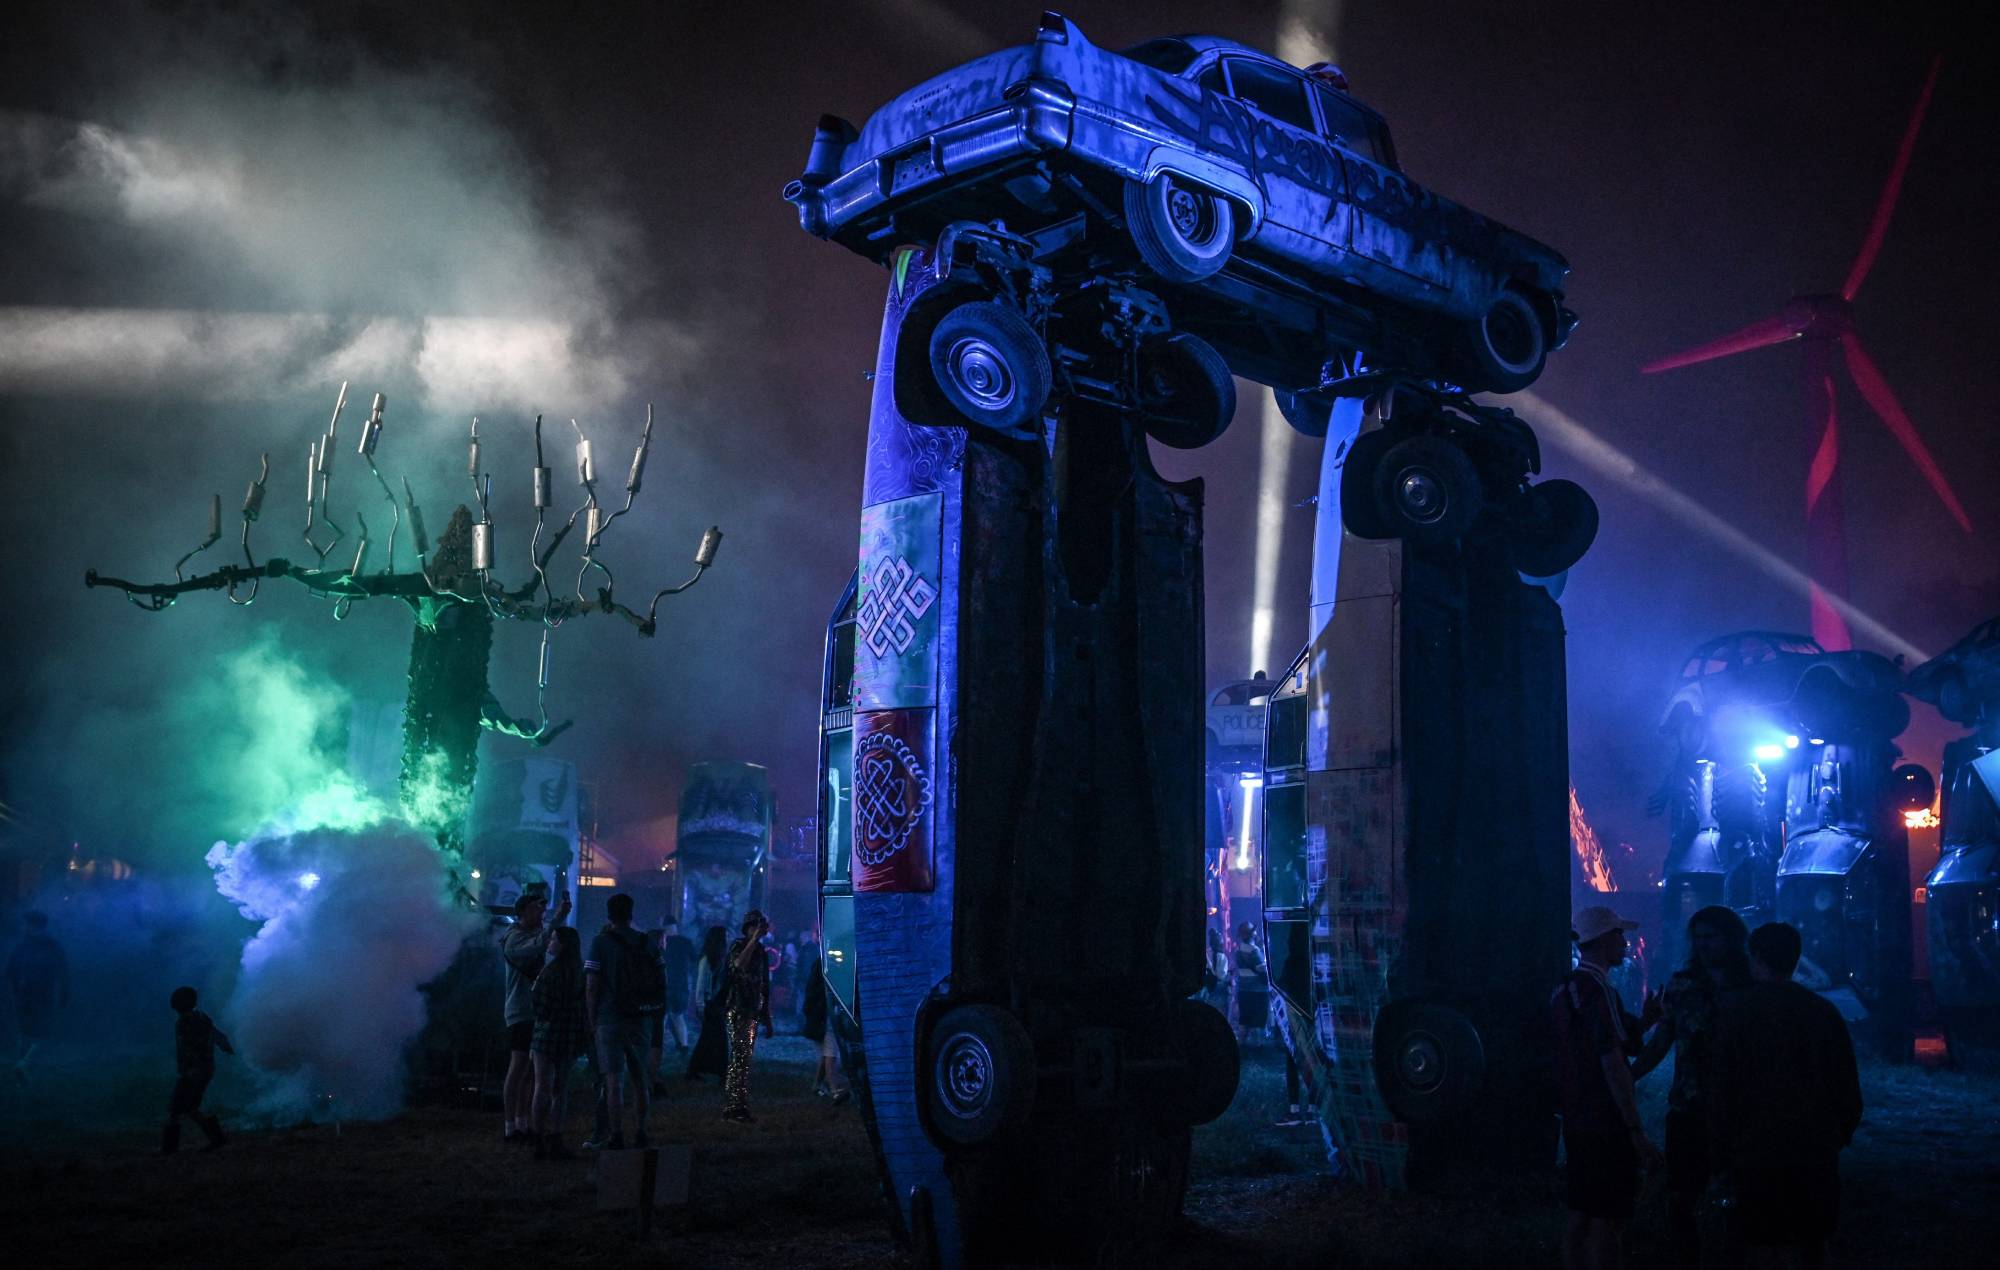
1824,324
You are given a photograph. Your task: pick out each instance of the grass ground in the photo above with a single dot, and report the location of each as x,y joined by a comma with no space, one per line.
434,1188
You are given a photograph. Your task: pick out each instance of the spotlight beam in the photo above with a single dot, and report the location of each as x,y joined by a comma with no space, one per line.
1600,456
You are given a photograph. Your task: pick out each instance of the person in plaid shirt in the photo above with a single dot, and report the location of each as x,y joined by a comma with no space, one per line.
560,1035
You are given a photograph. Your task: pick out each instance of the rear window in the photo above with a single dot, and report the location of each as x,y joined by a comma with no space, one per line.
1273,92
1169,55
1351,127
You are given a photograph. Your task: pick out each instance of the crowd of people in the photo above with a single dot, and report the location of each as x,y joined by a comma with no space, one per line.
615,1003
1765,1094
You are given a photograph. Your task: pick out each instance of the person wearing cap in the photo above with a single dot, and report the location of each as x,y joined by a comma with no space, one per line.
1604,1142
524,948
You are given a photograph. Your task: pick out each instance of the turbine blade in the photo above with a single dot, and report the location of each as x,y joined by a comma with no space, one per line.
1885,207
1763,334
1875,390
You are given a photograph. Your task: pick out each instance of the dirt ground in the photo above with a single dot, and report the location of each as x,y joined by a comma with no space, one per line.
797,1189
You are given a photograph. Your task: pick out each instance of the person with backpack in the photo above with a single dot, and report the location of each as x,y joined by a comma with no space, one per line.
623,980
748,1002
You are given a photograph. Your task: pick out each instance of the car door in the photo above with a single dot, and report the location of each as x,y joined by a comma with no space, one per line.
1395,221
1301,176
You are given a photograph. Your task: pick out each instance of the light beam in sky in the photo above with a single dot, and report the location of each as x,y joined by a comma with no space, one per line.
1607,460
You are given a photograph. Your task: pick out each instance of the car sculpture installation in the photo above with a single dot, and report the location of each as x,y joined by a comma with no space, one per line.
1826,850
1013,851
1962,892
1264,202
1082,247
1416,790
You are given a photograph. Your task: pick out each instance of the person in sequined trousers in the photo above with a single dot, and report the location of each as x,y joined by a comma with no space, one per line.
749,1005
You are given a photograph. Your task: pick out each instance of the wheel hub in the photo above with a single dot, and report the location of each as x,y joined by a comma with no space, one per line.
980,371
1192,215
1422,495
965,1076
1421,1062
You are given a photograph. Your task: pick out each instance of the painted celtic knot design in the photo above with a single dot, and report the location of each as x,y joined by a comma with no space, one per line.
897,599
891,793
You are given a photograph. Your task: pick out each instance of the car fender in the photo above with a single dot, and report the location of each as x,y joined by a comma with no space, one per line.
1232,184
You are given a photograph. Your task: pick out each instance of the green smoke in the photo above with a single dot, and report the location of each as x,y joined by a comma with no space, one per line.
272,748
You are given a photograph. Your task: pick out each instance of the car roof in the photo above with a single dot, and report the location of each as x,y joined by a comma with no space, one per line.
1747,648
1205,44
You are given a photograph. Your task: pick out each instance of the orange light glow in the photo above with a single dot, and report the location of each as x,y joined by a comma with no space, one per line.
1589,851
1922,818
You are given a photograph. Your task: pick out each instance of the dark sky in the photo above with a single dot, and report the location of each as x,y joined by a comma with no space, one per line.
613,173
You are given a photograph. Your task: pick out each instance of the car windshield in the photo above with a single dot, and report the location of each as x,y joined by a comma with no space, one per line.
1271,91
1169,55
1352,128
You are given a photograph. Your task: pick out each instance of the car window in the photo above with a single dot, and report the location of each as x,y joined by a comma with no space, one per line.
1273,92
1212,80
1169,55
1349,126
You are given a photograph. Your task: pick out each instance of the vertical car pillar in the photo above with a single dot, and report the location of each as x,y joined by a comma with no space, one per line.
1417,880
1018,747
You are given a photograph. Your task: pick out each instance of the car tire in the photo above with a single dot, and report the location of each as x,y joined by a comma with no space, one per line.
1429,1062
1552,525
980,1075
990,366
1214,1064
1309,416
1427,490
1505,349
1186,394
1184,233
1357,486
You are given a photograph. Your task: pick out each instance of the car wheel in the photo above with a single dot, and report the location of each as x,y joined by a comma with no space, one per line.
1553,524
989,365
1428,1061
981,1074
1214,1064
1186,393
1357,486
1426,489
1309,416
1183,232
1506,348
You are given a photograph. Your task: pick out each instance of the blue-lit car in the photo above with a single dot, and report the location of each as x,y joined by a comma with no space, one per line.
1962,893
1263,200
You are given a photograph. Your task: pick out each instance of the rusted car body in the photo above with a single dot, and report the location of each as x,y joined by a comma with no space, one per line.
1012,852
1784,802
1304,241
1962,893
1416,879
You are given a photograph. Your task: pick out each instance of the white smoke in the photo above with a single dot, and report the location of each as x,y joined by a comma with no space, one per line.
354,922
378,227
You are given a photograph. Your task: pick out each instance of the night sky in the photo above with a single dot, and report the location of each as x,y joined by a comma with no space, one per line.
210,214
